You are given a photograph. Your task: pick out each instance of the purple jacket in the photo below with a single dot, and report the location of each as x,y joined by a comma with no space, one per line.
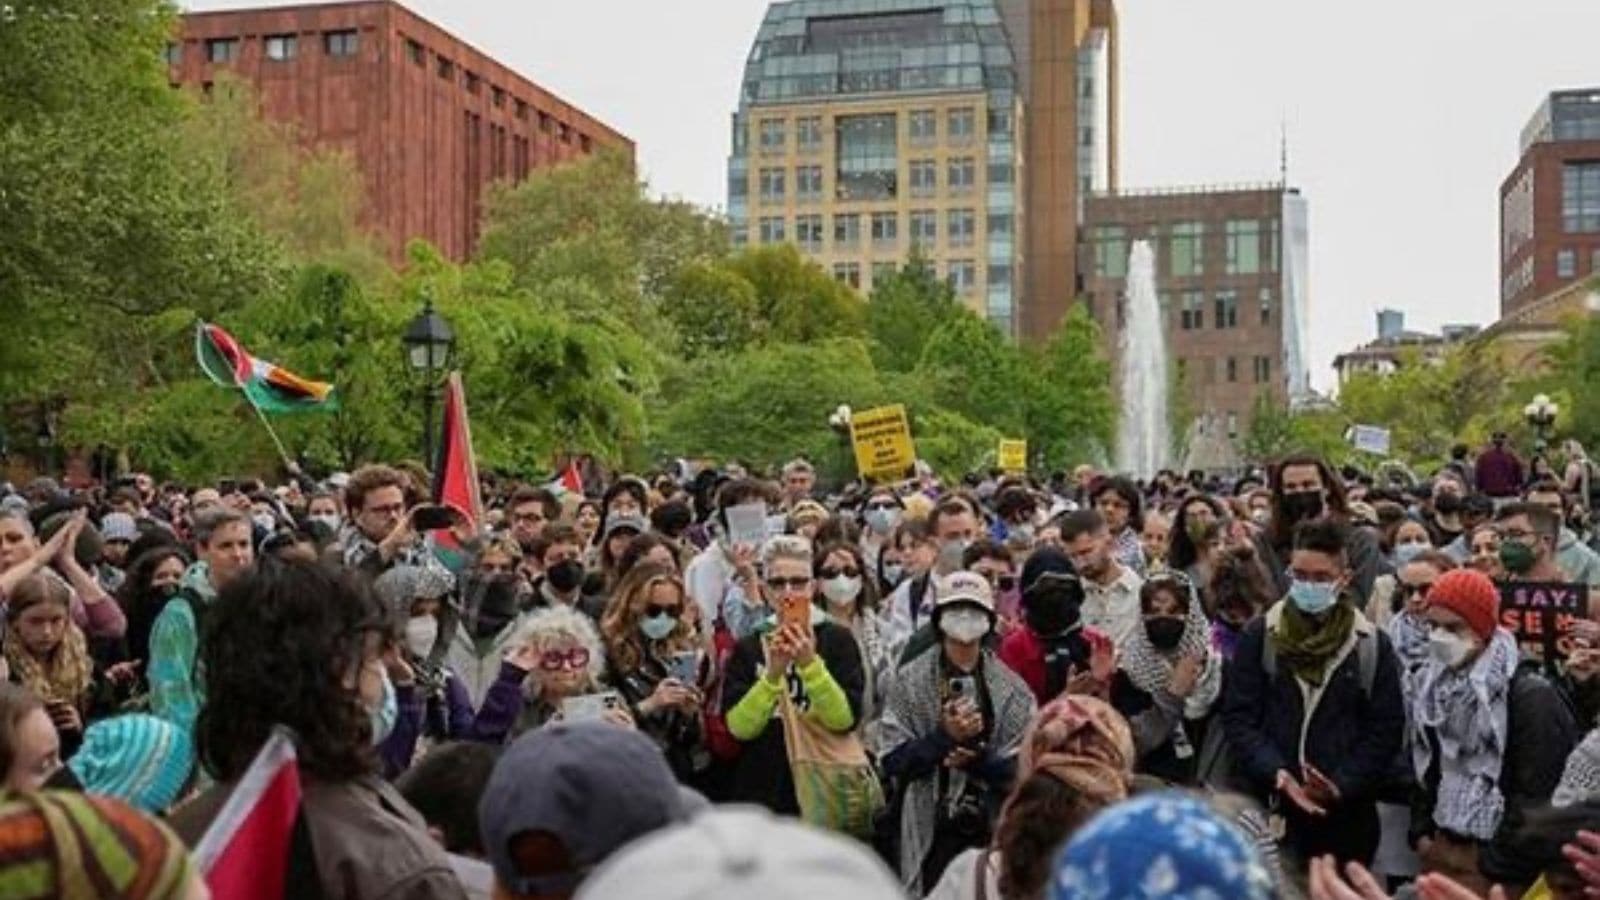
489,725
1499,473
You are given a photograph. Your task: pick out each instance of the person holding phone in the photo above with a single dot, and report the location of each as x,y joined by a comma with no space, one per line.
383,531
645,630
48,654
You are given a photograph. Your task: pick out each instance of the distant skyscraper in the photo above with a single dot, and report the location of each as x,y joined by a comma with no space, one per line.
1550,204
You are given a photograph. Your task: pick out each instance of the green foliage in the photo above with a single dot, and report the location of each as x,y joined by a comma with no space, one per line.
972,369
1575,370
1429,406
795,299
714,310
905,309
1070,413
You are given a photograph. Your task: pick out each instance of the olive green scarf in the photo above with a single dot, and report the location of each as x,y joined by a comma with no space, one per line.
1307,645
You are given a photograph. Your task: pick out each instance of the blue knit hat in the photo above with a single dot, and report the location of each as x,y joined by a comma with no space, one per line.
1166,845
138,759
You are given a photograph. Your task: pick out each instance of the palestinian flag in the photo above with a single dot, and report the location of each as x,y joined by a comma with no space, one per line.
268,386
246,851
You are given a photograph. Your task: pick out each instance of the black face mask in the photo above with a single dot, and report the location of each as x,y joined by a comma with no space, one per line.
1052,609
1447,504
1164,632
565,576
491,602
1302,505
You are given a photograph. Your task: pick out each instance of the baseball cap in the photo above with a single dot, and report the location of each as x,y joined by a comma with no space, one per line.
617,523
585,789
964,587
119,527
740,852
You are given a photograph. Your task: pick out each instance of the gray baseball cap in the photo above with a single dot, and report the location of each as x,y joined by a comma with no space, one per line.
592,787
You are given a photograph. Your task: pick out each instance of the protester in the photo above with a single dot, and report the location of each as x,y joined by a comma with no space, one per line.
1188,534
316,637
154,578
851,601
492,610
1053,652
1122,507
48,654
1484,551
713,570
1403,617
655,662
880,514
1156,540
1499,470
70,846
22,555
1240,591
1529,535
1580,563
143,761
952,723
530,511
1111,589
30,746
445,787
952,526
381,533
799,478
1311,703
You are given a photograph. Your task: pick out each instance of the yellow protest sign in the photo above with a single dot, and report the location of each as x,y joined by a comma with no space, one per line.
1013,456
882,439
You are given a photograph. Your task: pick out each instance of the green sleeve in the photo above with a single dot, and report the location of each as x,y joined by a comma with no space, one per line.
174,696
829,705
750,716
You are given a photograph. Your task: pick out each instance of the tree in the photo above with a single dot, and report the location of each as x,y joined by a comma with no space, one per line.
1430,405
1574,371
797,300
1071,416
714,310
972,369
906,308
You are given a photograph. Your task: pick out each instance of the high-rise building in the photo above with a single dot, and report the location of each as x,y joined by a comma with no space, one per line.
1230,270
1550,204
430,120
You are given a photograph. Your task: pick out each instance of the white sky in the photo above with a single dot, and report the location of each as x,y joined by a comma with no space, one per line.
1403,116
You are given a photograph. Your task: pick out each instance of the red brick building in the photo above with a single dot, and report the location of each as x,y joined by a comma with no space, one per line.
430,120
1550,204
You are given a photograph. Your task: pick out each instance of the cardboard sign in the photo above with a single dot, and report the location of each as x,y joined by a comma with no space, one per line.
1541,613
1370,439
882,439
1013,456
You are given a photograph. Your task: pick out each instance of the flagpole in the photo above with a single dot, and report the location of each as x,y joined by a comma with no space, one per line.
283,453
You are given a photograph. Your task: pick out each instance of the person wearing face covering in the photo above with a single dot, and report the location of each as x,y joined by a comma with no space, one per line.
1312,707
1168,679
1489,737
953,723
1305,488
490,614
1053,645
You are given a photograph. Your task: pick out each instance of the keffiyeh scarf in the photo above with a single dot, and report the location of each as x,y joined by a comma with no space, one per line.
1467,712
1150,669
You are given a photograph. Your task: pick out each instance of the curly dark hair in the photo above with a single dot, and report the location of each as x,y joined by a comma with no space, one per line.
1182,552
1041,815
140,604
280,647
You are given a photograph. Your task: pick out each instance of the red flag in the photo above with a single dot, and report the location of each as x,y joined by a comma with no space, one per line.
245,852
455,472
571,478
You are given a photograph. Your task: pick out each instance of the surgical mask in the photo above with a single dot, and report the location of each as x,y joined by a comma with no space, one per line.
1517,557
842,590
331,520
1164,632
383,718
1303,505
565,576
1405,553
893,574
964,626
422,632
656,628
882,521
1313,597
1022,533
1261,517
950,553
264,521
1448,647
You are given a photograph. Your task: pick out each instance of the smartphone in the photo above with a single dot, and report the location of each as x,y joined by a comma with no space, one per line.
794,609
432,517
964,687
589,707
684,667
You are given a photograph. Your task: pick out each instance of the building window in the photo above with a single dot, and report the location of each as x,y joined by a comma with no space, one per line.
963,228
280,47
1580,196
885,231
1594,261
999,275
882,271
963,275
848,273
808,133
414,50
1566,263
1244,246
740,235
961,125
497,96
847,231
924,228
771,181
341,43
868,157
772,136
1227,309
521,108
962,175
222,50
808,233
1110,246
1263,369
738,185
772,230
469,81
1000,171
1266,306
1233,424
564,133
174,53
1233,370
1187,249
1086,136
808,183
999,225
1194,310
1274,246
924,177
923,126
446,69
999,122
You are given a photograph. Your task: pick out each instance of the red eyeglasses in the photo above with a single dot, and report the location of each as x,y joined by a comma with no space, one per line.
556,660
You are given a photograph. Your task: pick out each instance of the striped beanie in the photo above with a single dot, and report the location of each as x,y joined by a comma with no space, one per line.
138,759
56,844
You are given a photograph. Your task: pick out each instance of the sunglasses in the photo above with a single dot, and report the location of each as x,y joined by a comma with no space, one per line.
797,583
556,660
847,571
654,611
1407,591
1002,582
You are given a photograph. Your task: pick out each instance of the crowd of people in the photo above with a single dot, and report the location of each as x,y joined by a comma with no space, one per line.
1297,682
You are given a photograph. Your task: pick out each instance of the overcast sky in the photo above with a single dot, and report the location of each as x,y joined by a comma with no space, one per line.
1403,116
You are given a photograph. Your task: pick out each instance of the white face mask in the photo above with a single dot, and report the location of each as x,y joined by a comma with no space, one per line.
964,626
422,632
264,521
842,590
1448,647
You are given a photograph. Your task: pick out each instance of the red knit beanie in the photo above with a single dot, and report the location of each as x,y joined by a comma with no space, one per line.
1471,595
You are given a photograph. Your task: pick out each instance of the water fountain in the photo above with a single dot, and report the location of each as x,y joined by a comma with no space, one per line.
1144,438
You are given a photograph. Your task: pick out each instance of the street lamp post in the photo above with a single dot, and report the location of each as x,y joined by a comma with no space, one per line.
1541,414
839,421
430,342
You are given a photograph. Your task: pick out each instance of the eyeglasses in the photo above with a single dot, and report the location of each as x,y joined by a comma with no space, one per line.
797,583
392,509
654,611
556,660
1000,582
1420,591
847,571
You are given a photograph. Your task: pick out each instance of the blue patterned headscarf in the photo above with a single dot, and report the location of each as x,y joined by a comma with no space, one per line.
1168,845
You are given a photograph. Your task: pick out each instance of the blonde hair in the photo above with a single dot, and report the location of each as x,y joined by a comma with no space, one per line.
793,547
619,627
918,508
